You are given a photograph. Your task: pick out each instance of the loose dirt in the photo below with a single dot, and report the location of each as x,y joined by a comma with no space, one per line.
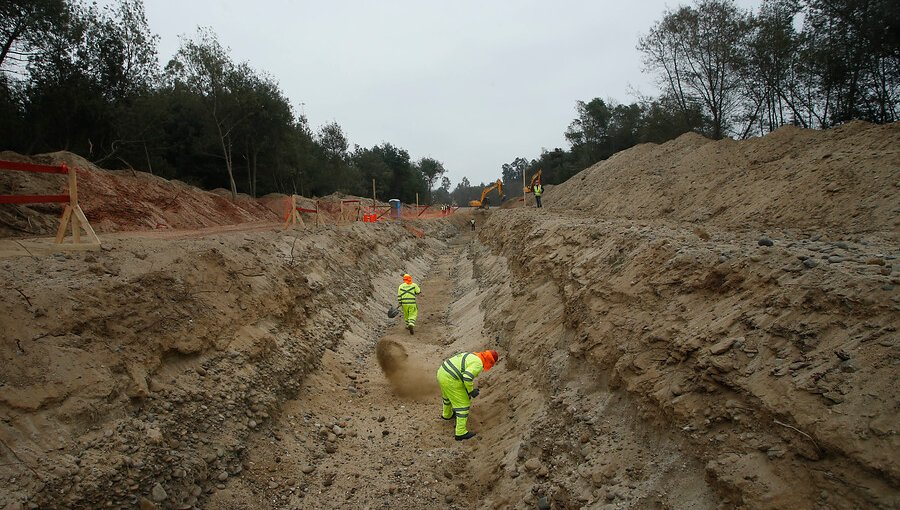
691,325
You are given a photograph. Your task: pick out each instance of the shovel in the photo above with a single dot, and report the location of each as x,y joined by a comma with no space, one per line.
393,312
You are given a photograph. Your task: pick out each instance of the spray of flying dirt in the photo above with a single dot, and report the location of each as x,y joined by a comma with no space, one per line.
409,378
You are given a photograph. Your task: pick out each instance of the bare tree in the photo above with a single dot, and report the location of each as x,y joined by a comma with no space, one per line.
697,51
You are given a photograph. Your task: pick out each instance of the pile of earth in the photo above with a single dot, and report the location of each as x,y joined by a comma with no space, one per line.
844,179
130,200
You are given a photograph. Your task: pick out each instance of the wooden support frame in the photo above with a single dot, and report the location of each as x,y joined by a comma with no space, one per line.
74,214
344,217
292,215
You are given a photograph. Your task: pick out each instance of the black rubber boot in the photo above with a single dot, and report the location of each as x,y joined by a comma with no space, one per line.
410,328
467,435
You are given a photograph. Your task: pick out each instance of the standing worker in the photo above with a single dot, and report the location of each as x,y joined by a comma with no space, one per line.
456,377
472,222
538,189
406,296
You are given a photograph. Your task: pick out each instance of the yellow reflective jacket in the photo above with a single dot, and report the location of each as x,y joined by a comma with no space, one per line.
464,367
406,293
538,189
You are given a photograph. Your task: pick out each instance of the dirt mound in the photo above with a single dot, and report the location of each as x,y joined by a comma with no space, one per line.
120,200
846,178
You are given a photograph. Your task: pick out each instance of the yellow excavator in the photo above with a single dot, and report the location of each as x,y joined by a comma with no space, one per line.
534,178
483,202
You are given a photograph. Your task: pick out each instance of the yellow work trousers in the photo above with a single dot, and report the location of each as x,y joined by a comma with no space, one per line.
410,312
456,400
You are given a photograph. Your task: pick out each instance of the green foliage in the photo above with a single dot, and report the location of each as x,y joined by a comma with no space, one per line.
86,79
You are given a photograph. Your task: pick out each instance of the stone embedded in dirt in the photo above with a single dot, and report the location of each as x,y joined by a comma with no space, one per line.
532,464
158,493
543,503
223,476
810,263
722,346
330,448
765,241
835,259
380,419
144,504
307,469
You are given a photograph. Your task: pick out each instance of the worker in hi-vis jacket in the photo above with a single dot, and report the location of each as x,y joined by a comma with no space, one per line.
406,296
456,377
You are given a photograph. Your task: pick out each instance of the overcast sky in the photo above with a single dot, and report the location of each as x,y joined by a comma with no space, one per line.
473,84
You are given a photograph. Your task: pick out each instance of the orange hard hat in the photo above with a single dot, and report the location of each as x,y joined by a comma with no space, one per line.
407,278
488,358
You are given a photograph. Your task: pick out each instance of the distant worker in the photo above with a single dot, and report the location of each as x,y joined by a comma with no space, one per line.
456,377
472,222
538,189
406,296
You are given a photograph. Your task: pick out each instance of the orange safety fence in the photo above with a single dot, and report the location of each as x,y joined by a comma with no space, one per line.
350,210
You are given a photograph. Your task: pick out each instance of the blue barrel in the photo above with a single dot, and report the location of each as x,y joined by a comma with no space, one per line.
395,207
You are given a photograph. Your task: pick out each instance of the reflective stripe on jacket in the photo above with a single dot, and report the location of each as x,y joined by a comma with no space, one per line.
538,189
464,367
406,293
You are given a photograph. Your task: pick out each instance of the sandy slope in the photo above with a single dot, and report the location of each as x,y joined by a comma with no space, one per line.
843,180
692,325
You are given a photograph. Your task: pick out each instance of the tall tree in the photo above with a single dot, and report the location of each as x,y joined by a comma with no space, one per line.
512,173
204,67
26,26
696,50
432,170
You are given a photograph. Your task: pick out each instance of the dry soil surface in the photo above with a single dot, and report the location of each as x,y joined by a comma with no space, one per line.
659,349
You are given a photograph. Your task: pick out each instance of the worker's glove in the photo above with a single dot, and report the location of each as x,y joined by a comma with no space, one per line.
474,393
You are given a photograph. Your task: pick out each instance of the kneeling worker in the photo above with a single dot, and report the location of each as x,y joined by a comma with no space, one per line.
456,377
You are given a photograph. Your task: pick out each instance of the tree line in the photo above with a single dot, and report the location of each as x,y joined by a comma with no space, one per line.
88,80
726,72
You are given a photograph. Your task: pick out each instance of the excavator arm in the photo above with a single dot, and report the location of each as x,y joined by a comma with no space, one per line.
497,185
534,178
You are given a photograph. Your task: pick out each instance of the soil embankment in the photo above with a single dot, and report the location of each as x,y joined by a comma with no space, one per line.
691,325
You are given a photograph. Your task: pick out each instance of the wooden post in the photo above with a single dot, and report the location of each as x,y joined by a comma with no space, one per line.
524,195
373,192
73,202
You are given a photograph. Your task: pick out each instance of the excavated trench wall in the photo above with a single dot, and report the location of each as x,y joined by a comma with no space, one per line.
741,366
138,372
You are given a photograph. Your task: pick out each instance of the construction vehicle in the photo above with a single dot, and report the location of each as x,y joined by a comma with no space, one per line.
483,202
534,178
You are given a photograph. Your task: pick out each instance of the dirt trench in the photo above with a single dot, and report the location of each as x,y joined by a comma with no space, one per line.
643,366
365,432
